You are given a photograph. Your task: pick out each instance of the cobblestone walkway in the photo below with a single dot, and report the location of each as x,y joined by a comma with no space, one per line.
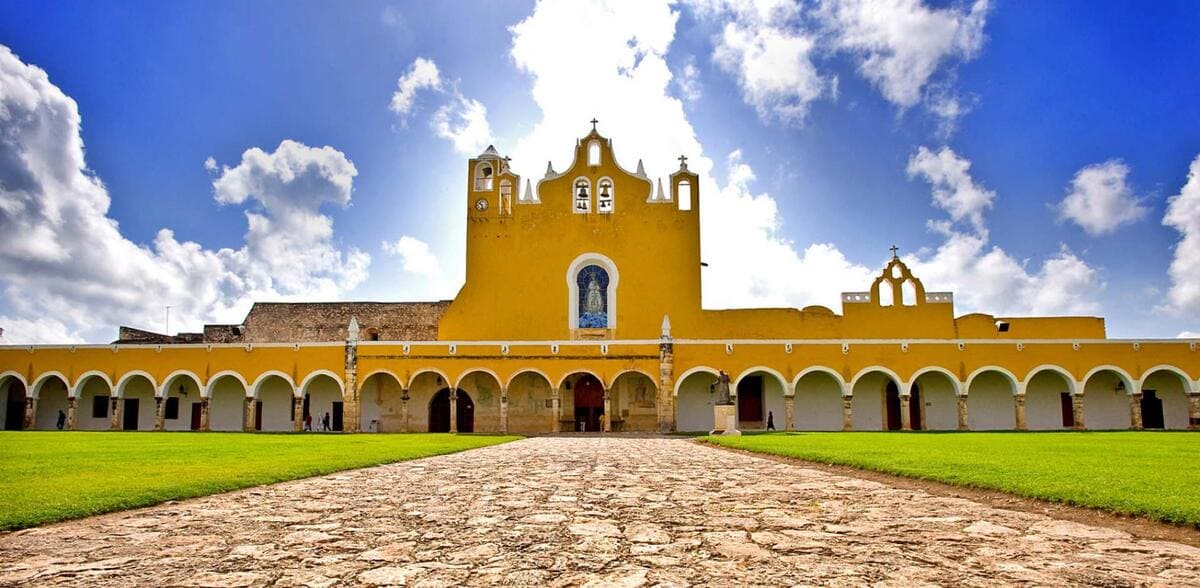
568,511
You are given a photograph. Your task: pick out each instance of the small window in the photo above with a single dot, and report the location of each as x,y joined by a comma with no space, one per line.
583,197
604,200
99,407
885,296
908,293
171,410
372,334
594,154
683,193
506,197
1002,326
483,177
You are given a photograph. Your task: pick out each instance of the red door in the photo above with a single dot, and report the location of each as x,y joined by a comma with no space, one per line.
589,404
195,416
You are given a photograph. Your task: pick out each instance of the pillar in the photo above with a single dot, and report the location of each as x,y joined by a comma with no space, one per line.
298,413
1019,407
905,416
1135,411
72,402
557,404
963,422
159,413
248,426
204,414
30,412
1077,408
404,410
504,409
352,417
454,410
847,412
606,418
789,411
1194,411
116,413
665,395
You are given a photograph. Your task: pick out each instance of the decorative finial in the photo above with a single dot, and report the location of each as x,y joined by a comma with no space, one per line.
352,330
641,169
666,327
550,169
661,195
529,195
894,249
593,121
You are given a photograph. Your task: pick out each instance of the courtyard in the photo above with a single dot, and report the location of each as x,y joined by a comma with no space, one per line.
577,510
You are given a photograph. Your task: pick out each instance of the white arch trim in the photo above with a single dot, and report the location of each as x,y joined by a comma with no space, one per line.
1049,367
376,372
119,390
877,368
263,377
696,370
936,369
83,378
36,389
303,388
483,370
519,373
167,381
614,277
423,371
1189,385
563,380
1124,375
1012,378
788,390
21,379
837,377
212,381
631,371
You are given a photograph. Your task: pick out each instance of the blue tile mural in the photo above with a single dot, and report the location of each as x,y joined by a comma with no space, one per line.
592,282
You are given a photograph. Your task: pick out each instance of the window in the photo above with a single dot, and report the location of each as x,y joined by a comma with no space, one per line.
372,334
99,407
483,176
604,200
908,293
171,410
583,197
683,193
592,281
594,153
505,197
885,296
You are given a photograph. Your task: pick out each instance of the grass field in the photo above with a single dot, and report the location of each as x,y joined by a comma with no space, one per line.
1154,474
51,476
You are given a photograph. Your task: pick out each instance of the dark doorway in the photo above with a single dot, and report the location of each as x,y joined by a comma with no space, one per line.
337,417
589,403
196,410
129,420
257,415
1152,410
1068,410
304,411
750,403
14,407
439,412
891,399
914,408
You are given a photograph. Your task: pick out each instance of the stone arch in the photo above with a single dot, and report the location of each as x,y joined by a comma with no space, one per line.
760,392
933,393
581,400
620,373
51,398
1047,390
227,392
94,393
440,415
1188,382
137,394
127,377
523,371
35,390
380,402
322,393
1164,401
274,401
530,402
563,380
474,370
694,399
990,403
13,394
167,381
875,399
1049,367
422,385
483,389
429,371
92,374
180,404
322,372
263,377
1106,395
818,393
634,401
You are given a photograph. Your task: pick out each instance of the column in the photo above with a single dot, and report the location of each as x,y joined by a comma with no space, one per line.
30,412
454,410
1194,411
404,410
789,411
557,404
298,414
665,394
352,409
847,412
116,413
204,414
1077,408
72,402
1019,407
1135,411
248,426
606,418
905,416
159,409
504,409
963,421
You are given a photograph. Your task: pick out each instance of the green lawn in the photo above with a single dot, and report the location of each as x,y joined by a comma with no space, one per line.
51,476
1155,474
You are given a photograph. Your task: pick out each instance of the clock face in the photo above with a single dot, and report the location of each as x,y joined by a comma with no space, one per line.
481,204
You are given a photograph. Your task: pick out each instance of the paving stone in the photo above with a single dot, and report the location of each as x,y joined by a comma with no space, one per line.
571,511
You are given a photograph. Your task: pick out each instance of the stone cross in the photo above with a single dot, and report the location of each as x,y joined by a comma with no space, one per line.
593,121
894,249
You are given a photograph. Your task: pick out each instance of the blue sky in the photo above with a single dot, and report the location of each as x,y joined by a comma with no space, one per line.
1022,156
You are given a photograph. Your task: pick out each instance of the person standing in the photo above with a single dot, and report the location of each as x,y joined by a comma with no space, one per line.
325,422
62,419
308,422
770,421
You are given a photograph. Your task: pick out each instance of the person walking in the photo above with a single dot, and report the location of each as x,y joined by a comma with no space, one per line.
308,422
62,419
770,421
325,422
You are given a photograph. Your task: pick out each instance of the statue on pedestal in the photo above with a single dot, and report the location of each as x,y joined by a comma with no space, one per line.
721,388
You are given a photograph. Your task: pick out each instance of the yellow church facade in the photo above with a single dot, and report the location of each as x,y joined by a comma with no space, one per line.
581,311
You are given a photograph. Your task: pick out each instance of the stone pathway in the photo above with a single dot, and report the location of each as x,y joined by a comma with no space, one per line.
569,511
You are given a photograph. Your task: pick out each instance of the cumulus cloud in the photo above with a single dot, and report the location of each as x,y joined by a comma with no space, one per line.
460,120
773,66
687,81
423,73
953,189
1100,200
70,275
1183,215
415,254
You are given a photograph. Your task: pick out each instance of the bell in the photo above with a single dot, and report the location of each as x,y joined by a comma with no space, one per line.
582,192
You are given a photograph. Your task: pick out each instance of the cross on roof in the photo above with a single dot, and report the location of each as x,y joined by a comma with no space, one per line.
682,161
894,250
593,121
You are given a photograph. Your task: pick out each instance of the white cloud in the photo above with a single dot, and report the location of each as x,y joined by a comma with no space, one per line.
1100,200
422,74
773,67
415,255
69,274
1183,215
953,189
210,164
687,81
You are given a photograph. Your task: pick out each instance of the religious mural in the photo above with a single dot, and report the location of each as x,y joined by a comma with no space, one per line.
592,281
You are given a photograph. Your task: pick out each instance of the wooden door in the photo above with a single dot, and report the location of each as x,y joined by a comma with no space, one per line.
589,404
892,408
914,408
439,412
1068,410
750,402
465,412
130,418
1152,410
257,415
196,410
337,416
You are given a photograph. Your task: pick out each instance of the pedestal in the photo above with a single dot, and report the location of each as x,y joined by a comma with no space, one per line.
725,420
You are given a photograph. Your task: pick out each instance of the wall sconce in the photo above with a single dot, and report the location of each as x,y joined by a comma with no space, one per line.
1120,386
182,390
